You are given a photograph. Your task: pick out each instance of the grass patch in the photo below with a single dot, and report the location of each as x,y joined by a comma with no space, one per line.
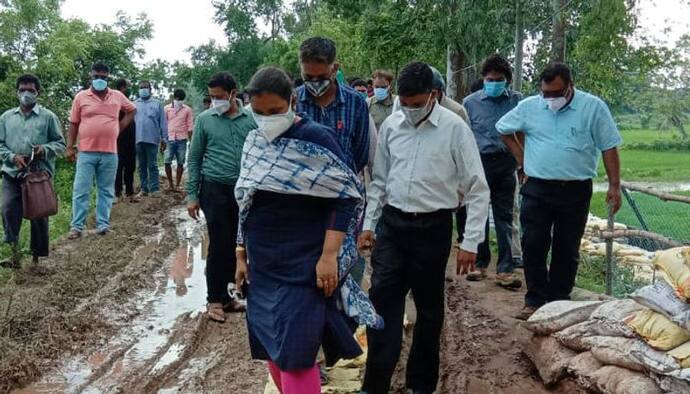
667,218
652,166
591,275
648,136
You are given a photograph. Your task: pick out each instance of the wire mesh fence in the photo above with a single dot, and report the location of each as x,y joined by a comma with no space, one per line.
649,220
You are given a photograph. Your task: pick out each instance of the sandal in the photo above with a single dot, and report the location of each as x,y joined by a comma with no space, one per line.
215,312
74,234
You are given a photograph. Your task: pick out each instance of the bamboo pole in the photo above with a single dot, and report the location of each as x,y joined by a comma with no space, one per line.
609,252
625,233
660,195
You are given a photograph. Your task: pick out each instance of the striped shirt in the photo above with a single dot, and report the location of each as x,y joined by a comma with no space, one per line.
348,115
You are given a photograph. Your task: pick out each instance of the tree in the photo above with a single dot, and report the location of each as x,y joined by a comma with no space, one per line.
558,31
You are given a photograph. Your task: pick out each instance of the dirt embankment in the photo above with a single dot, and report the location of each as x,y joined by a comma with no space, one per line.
122,313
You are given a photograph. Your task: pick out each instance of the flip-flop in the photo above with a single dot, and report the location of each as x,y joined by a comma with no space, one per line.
215,312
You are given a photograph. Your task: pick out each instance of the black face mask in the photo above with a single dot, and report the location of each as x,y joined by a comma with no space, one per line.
318,88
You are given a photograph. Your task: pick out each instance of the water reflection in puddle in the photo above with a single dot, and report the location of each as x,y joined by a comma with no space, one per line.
141,347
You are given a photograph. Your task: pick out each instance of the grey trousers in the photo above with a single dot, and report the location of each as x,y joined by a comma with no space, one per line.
12,212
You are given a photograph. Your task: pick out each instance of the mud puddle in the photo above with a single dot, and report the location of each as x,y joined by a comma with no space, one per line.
148,343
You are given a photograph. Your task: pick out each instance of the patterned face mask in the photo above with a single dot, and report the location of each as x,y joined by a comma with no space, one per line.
318,88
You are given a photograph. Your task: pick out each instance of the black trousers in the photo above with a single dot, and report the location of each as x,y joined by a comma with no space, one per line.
499,169
126,166
411,253
217,200
12,215
553,216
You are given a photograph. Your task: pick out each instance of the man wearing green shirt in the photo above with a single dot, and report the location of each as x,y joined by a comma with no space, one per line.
30,136
213,168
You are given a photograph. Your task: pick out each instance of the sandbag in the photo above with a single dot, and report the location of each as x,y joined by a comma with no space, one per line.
659,332
676,265
558,315
669,384
549,357
662,298
681,354
616,380
582,368
631,353
616,310
578,337
613,351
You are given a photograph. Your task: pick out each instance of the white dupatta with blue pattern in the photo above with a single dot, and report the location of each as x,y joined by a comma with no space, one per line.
293,166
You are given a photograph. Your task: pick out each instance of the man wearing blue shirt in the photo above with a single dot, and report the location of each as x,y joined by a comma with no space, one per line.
333,104
485,107
563,130
151,132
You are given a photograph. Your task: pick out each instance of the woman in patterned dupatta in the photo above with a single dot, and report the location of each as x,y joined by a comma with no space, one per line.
300,206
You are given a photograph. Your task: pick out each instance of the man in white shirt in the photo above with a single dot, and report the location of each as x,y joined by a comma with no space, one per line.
426,162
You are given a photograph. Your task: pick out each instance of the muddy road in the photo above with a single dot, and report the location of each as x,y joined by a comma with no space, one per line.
124,314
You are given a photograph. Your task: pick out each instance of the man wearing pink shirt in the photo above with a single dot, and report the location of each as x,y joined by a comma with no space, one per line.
180,124
95,121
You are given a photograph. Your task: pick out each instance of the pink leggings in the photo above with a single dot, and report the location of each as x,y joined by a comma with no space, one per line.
302,381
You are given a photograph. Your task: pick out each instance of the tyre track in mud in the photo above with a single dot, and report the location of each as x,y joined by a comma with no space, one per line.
62,306
158,338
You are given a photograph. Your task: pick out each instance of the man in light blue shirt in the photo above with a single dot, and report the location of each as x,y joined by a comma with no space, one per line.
151,132
563,132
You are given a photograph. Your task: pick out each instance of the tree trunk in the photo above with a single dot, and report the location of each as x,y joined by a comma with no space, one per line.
558,32
451,86
458,61
519,40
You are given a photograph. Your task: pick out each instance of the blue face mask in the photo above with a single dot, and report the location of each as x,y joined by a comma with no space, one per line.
99,84
495,89
381,93
144,93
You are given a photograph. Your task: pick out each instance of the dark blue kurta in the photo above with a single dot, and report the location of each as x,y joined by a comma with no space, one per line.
288,317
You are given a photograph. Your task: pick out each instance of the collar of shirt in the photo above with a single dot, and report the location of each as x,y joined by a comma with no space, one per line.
241,111
573,105
147,101
35,110
388,101
305,96
108,93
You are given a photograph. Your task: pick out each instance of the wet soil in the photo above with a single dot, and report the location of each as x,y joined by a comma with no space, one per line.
124,314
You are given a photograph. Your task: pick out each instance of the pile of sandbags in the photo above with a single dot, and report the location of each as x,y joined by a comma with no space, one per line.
639,260
596,224
635,345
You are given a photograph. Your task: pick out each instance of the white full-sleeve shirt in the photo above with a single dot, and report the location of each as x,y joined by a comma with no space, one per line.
428,168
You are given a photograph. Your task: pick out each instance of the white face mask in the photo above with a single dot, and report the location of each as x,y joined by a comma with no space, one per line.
178,104
415,115
221,106
273,126
556,103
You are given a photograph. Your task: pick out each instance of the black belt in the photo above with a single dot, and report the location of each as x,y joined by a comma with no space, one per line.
555,182
416,215
495,155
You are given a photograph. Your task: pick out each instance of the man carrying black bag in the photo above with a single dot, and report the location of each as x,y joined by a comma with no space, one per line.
30,135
